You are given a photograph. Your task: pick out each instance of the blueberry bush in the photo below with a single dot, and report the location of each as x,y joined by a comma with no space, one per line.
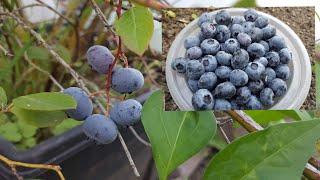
33,99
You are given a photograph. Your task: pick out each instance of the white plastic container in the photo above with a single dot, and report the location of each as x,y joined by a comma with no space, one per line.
298,84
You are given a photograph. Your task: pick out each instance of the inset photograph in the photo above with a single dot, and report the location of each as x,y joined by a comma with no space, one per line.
238,58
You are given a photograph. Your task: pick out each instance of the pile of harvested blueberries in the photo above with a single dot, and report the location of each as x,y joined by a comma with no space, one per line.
235,62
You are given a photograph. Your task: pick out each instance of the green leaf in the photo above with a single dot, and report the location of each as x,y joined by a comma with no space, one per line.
26,130
135,27
10,132
3,98
63,52
278,152
39,118
65,126
246,3
46,101
29,142
38,53
265,117
175,136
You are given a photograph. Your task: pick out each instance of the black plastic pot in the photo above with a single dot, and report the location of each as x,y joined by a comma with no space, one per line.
79,158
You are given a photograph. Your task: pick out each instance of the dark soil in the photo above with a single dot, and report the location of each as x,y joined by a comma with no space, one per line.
300,19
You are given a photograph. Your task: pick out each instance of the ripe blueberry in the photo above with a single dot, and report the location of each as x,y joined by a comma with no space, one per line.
100,58
225,90
222,104
238,77
194,69
179,65
194,52
223,58
240,59
84,104
126,113
223,72
223,33
266,97
223,17
278,86
126,80
202,100
210,46
100,128
209,63
191,41
208,81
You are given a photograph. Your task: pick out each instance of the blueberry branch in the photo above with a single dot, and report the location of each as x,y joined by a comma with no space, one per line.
73,73
251,126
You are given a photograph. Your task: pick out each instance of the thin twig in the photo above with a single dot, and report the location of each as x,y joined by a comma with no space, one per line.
224,134
5,52
135,170
251,126
102,17
12,163
26,57
134,132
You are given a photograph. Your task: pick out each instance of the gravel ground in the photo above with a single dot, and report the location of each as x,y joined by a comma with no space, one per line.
300,19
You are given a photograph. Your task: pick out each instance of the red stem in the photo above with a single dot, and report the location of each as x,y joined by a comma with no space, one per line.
118,56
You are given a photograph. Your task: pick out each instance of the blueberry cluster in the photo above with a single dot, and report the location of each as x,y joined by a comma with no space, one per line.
235,62
101,128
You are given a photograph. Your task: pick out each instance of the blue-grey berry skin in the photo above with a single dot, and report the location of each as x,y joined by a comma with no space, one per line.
222,47
208,30
261,22
223,72
240,59
210,46
237,20
243,95
255,86
234,105
179,65
194,53
100,128
266,97
282,71
254,103
223,17
277,43
193,85
238,77
268,32
262,60
126,80
256,34
225,90
191,41
202,100
223,33
232,45
278,86
206,17
244,39
248,26
84,104
251,15
224,58
236,29
126,113
222,104
194,69
268,75
265,45
273,58
209,63
285,56
256,50
100,58
208,81
201,36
